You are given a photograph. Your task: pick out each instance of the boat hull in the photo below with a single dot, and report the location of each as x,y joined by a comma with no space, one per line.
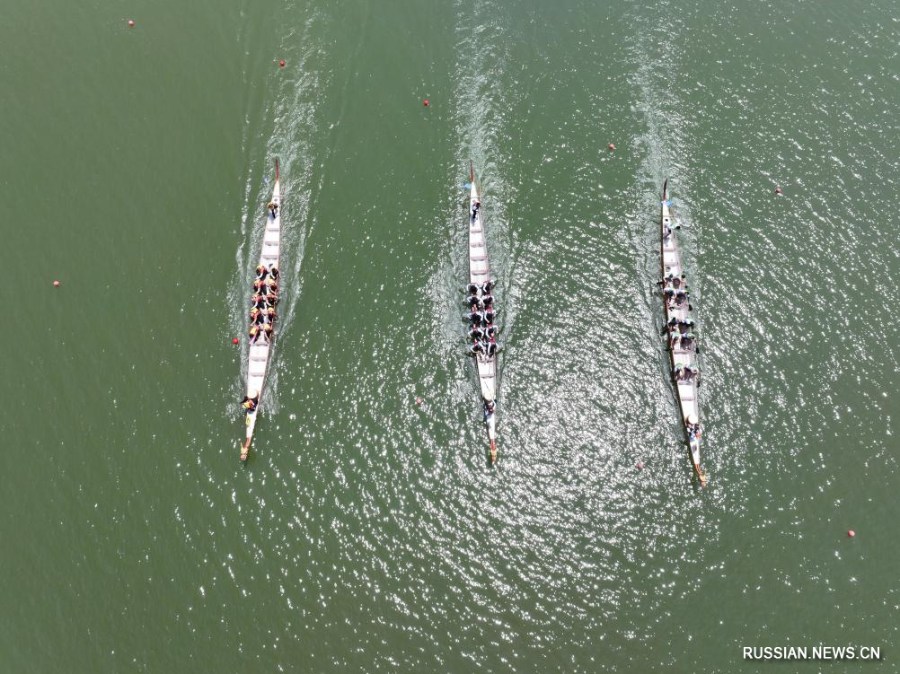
687,391
260,351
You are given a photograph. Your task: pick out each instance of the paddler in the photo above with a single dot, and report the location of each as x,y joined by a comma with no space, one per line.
272,299
273,209
678,372
476,333
489,315
261,272
492,348
488,286
473,301
258,300
249,403
273,271
472,289
692,424
254,333
491,331
477,347
268,329
271,285
475,209
258,285
476,317
256,316
487,300
270,315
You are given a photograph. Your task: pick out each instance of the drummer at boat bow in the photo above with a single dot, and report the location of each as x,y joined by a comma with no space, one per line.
273,209
475,209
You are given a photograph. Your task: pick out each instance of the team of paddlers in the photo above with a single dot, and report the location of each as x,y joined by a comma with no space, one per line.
681,337
482,331
262,316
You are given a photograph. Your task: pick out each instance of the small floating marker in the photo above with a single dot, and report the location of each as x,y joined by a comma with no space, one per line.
281,63
778,189
419,400
851,533
426,102
131,23
639,465
56,284
611,147
235,341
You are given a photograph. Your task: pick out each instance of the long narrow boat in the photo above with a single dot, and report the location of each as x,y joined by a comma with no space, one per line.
479,273
261,348
684,361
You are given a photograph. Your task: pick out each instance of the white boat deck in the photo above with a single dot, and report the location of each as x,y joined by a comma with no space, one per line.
479,272
258,358
688,391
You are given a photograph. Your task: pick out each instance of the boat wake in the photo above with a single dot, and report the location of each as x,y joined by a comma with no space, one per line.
284,128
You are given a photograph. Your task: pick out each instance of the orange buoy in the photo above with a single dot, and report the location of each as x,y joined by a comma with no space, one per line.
419,401
235,340
426,102
281,63
778,189
851,533
612,147
131,23
56,284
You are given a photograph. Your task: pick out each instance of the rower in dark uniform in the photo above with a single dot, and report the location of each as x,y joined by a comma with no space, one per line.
476,333
261,272
273,271
476,348
256,316
487,300
477,318
473,301
472,289
492,348
488,286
